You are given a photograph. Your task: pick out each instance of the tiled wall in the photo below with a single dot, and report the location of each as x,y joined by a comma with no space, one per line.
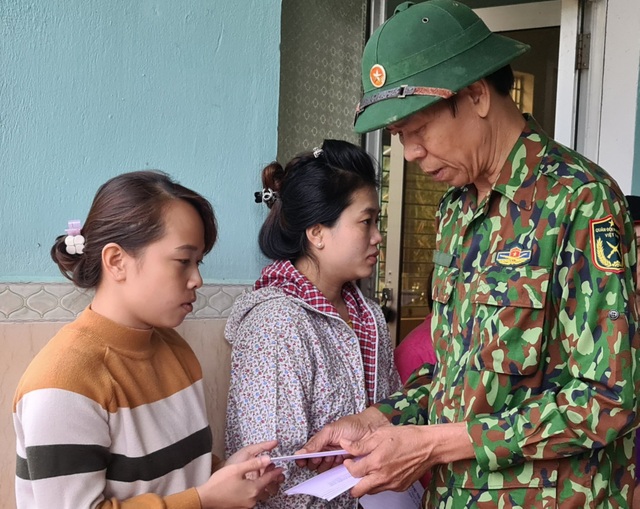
56,302
30,314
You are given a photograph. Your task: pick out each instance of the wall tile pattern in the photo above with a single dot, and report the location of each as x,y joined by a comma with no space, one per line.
54,302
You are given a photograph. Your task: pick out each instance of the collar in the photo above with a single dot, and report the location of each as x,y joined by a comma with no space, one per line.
283,274
518,176
113,334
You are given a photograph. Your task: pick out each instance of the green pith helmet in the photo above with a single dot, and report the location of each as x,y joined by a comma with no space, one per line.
423,53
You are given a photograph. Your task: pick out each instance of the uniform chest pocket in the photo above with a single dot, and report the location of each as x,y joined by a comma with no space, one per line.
509,310
443,283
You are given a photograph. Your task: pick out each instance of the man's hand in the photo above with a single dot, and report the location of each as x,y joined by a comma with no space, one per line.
350,428
394,457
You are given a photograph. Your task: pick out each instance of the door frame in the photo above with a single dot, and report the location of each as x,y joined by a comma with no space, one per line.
562,13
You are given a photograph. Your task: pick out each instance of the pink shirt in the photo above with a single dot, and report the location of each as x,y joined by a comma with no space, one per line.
415,350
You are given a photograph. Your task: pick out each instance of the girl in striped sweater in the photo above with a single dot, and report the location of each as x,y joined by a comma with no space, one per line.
111,412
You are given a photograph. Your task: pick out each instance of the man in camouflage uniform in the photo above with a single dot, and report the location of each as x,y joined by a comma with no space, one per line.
532,402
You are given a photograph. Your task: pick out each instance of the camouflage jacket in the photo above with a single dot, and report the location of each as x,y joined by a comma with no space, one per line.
534,329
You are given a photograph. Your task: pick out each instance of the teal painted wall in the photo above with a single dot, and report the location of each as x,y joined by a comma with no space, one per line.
91,88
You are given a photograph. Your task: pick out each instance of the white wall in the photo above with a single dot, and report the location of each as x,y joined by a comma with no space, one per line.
618,128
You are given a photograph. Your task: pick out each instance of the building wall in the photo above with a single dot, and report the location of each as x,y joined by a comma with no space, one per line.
636,158
91,89
618,133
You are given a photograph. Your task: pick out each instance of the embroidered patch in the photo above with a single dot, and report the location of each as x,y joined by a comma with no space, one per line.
377,75
515,256
605,244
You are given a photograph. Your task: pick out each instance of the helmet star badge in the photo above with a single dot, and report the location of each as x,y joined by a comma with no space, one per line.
378,76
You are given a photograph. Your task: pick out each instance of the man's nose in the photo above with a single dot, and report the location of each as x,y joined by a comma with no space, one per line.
414,151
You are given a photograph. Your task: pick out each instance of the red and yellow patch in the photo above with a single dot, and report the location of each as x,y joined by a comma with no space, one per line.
605,244
514,257
378,76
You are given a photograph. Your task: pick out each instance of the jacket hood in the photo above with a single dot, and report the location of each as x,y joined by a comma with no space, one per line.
245,303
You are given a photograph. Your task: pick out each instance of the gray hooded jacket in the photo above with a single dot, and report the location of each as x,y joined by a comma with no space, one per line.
294,370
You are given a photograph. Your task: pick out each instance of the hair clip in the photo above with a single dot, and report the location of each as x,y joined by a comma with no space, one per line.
267,196
317,152
74,242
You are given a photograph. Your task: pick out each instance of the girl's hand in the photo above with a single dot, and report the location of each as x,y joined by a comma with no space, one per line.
243,481
250,451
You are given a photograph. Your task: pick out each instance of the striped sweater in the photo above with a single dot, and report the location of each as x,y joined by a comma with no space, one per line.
107,417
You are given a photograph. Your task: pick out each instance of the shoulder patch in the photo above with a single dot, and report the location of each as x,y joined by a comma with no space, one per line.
605,244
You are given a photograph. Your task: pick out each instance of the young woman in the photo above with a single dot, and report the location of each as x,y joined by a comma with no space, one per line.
307,347
111,412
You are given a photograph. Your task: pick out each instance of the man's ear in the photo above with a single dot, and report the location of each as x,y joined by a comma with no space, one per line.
114,262
480,95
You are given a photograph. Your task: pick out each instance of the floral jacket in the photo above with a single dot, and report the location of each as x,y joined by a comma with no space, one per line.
295,369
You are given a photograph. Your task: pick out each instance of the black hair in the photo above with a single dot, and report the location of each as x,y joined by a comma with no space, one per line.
501,80
311,189
634,207
128,210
